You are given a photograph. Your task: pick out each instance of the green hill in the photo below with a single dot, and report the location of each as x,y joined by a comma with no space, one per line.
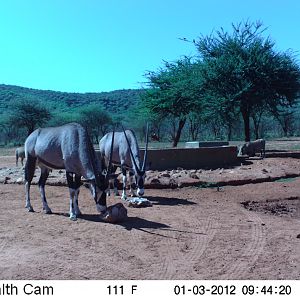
115,102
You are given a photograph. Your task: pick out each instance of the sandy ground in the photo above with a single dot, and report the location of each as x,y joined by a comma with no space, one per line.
250,231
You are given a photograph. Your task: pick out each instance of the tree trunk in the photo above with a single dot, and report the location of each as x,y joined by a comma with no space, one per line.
256,128
178,132
246,118
229,133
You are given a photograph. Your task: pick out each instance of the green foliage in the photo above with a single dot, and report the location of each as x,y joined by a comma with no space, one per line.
28,114
174,92
115,102
242,71
95,119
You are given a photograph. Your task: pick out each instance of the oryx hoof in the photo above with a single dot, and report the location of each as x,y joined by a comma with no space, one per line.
73,217
30,209
47,211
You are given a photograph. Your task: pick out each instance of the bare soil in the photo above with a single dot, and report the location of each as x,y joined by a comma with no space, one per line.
236,231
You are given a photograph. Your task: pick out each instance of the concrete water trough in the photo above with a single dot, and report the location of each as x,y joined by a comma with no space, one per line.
191,158
198,144
207,157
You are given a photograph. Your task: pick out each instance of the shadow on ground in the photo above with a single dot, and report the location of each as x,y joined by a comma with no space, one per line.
169,201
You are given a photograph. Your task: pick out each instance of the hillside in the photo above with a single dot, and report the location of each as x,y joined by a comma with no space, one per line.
115,102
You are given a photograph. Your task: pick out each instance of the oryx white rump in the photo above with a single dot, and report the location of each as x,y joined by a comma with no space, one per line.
126,153
66,147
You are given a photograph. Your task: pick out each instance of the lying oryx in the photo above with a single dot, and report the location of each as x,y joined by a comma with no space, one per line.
126,154
66,147
250,148
20,153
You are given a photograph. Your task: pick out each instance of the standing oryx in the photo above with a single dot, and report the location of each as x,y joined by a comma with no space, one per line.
20,153
126,153
66,147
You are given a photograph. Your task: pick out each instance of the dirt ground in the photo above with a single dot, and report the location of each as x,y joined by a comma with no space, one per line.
248,231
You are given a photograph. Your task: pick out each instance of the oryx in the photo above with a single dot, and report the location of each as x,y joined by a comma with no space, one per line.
126,154
20,153
66,147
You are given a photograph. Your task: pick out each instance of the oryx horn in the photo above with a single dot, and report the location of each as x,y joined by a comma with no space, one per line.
146,149
111,153
136,166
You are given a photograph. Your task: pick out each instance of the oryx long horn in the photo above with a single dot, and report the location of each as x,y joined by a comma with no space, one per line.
146,149
111,153
136,166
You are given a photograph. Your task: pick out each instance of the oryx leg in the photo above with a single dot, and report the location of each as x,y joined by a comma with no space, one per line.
74,186
22,159
132,184
42,182
29,173
113,182
124,196
116,187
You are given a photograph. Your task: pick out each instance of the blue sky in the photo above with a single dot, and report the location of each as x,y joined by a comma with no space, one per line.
104,45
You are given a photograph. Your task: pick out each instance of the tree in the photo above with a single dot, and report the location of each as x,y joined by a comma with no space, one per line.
174,92
243,69
28,114
256,115
95,119
286,119
194,125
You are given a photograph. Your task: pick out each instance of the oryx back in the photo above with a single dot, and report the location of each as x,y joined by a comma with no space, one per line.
121,152
66,147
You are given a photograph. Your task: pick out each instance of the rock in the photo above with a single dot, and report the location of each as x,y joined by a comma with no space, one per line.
165,175
6,178
155,181
115,214
194,176
19,180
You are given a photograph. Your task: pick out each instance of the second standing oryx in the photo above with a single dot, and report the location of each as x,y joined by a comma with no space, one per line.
20,153
126,154
66,147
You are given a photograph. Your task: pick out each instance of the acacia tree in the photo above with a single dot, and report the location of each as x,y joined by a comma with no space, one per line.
286,119
174,91
28,114
243,69
95,119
